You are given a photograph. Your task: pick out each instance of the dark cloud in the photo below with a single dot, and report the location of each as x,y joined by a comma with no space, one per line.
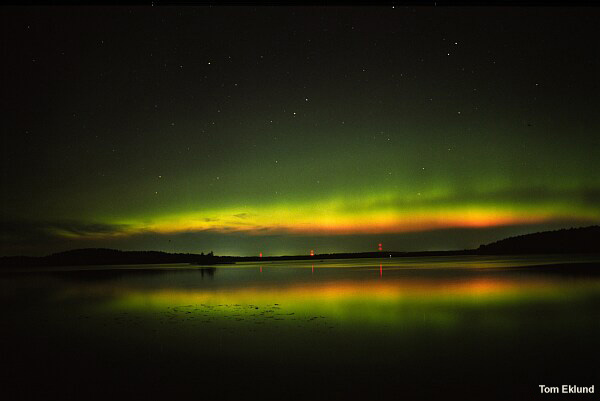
42,237
244,215
87,229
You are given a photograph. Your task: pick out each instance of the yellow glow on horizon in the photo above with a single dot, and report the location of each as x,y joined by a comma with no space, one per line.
307,222
341,216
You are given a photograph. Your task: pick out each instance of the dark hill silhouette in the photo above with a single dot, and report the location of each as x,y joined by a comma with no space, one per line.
573,240
103,256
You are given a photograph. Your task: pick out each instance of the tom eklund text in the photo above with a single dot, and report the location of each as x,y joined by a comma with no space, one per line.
566,389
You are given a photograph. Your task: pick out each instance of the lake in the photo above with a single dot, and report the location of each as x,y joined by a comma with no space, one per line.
430,328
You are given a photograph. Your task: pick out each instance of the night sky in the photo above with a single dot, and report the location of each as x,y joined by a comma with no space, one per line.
280,130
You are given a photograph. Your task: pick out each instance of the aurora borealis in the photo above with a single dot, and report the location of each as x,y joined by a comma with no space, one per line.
279,130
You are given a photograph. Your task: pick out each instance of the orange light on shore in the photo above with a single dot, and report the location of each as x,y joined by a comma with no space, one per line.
312,252
260,255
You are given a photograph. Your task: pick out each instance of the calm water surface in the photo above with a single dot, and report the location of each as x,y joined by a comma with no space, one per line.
393,329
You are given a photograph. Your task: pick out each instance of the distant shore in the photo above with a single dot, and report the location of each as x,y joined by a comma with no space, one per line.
585,240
